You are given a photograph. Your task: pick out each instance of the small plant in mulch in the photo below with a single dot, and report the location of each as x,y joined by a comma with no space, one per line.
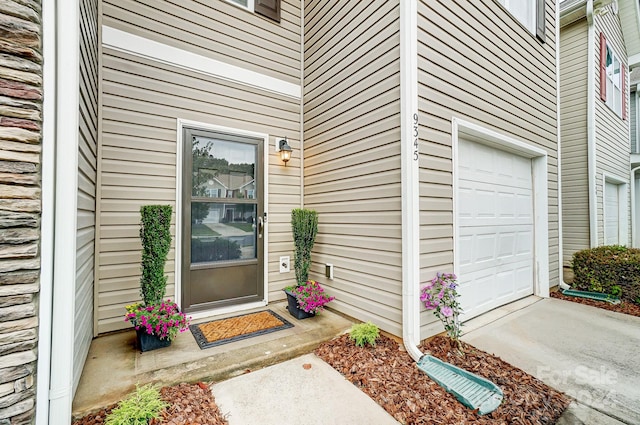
140,408
364,334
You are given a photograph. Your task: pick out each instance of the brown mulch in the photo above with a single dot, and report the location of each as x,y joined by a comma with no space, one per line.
623,307
191,404
390,377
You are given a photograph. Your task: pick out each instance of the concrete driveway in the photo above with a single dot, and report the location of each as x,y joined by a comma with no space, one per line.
591,354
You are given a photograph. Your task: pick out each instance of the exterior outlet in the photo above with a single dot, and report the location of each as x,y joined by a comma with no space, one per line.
328,271
284,264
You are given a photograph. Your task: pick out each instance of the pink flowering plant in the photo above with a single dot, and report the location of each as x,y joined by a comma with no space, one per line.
310,296
441,296
165,320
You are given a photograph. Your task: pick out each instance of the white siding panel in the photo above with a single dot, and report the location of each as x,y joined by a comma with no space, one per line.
352,154
573,115
87,151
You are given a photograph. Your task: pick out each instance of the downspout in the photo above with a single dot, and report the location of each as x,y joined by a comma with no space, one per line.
45,300
561,283
634,225
591,130
409,177
65,211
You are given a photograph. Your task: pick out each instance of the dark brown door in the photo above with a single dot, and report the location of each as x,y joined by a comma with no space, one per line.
222,260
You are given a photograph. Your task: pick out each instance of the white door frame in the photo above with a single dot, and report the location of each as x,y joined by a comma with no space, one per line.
623,215
539,160
180,125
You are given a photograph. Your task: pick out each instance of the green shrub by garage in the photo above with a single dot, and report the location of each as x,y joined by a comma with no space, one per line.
611,269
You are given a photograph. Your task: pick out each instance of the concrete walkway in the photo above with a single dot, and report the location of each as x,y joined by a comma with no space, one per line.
305,390
588,353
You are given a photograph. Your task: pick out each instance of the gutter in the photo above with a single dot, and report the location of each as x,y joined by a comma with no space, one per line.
409,165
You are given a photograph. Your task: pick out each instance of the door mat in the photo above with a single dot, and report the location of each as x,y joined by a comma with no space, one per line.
223,331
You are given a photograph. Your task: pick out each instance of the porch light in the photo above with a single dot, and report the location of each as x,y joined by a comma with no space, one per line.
285,151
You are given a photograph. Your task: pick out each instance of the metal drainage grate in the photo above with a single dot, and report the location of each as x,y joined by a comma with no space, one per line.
471,390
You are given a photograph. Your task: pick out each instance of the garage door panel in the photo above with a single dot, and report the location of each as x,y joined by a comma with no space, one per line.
495,227
611,213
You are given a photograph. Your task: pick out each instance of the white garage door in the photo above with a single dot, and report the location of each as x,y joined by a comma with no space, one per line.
495,227
611,214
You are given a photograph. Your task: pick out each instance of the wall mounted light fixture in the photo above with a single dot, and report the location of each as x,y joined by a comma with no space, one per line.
285,150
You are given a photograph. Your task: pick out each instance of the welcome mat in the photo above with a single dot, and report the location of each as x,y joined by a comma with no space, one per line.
223,331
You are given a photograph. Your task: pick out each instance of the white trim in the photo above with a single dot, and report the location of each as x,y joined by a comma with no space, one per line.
634,60
48,204
143,47
591,128
634,224
180,125
249,7
409,177
623,212
540,189
65,212
635,100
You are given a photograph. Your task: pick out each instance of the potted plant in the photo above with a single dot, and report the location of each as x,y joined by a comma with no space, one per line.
306,297
156,322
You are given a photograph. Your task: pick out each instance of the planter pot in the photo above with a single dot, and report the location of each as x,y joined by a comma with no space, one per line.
148,342
293,308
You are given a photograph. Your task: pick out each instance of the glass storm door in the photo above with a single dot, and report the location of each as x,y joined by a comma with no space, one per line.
222,260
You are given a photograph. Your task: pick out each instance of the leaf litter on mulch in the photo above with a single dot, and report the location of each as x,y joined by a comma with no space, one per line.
389,376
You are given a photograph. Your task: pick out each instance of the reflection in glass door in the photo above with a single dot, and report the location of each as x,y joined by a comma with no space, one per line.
222,220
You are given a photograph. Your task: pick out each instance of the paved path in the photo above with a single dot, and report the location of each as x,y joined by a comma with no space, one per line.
592,355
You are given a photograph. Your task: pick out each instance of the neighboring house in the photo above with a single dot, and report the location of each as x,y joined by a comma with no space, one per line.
423,132
599,43
634,119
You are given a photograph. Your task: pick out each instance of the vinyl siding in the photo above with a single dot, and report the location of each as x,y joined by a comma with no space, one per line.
573,115
476,62
612,133
142,100
633,120
216,29
86,218
352,154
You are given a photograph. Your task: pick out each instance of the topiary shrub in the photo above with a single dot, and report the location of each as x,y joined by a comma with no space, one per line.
156,240
304,224
612,269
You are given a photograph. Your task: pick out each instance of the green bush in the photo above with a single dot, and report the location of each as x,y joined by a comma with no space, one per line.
219,249
304,224
364,333
156,240
612,269
139,408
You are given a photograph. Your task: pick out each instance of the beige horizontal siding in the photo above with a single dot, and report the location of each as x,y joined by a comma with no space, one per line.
352,154
142,100
612,132
573,115
216,29
86,198
476,62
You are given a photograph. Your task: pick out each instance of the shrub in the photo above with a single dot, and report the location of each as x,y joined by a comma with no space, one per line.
364,333
220,249
304,224
612,269
139,408
156,240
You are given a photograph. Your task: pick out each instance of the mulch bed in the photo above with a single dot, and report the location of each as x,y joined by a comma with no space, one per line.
191,404
623,307
389,376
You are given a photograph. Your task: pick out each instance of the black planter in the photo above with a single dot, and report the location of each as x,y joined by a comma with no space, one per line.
148,342
293,308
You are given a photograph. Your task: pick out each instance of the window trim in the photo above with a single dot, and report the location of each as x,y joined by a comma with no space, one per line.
610,97
250,5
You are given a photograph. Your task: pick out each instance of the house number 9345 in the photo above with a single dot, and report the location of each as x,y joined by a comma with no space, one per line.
415,137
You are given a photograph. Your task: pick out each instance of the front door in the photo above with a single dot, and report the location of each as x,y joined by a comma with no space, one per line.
222,225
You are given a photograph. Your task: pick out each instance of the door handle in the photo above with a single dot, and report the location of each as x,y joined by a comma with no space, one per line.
260,227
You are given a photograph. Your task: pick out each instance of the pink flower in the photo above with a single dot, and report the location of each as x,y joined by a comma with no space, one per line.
446,311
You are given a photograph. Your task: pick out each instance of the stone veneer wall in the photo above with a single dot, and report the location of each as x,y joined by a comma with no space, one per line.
20,203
